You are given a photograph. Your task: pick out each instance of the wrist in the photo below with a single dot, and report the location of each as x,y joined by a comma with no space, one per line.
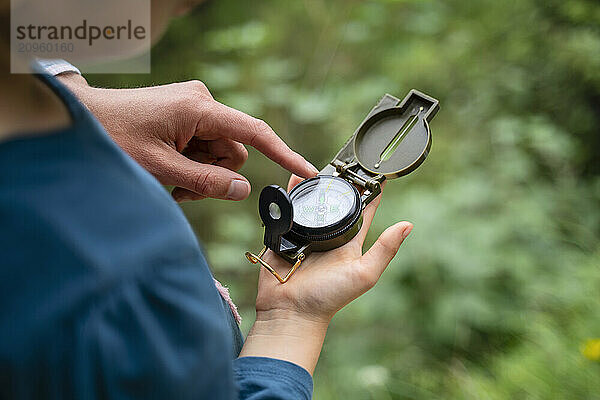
89,96
286,335
79,87
73,81
281,315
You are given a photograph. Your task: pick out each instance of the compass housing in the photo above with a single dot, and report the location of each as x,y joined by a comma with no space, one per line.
325,208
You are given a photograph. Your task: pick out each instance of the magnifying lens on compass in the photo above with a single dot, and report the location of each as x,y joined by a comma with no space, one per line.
325,212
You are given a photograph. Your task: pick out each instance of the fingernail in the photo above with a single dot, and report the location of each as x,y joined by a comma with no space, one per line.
312,168
238,190
406,231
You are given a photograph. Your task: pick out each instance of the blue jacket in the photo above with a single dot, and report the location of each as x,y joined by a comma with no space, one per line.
104,291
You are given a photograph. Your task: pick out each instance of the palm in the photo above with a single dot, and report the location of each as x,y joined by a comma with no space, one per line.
327,281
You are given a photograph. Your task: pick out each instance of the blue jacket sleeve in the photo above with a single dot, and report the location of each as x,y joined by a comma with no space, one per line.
267,378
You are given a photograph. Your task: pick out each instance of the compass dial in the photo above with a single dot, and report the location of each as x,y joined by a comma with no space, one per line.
323,201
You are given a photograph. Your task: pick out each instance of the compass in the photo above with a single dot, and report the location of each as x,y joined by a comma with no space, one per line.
325,212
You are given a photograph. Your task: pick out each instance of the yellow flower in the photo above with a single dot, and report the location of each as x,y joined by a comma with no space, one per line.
591,349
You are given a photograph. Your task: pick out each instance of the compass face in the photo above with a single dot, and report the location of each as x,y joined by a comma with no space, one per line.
323,201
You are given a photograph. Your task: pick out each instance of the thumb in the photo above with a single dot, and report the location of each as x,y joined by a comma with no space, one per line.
206,180
377,258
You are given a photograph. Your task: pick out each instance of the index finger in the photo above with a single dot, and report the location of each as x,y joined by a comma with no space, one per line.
225,121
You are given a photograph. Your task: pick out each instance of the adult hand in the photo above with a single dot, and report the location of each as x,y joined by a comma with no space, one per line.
185,138
292,318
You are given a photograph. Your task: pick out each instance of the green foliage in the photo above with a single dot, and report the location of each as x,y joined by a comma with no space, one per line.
497,288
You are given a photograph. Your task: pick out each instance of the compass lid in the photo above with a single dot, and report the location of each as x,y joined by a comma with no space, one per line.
396,140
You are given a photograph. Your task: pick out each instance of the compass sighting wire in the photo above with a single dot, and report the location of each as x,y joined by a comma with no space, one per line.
395,142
